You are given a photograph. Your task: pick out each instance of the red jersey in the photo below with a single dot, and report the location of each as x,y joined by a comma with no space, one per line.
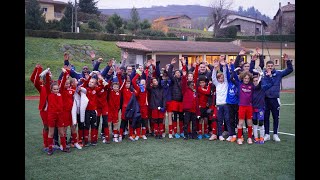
142,97
114,100
43,90
55,103
203,95
102,96
67,94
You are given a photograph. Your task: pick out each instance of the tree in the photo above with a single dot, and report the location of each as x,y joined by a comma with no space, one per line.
66,21
145,24
94,24
34,18
114,23
134,23
220,9
88,6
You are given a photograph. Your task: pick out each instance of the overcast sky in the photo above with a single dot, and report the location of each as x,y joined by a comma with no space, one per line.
268,7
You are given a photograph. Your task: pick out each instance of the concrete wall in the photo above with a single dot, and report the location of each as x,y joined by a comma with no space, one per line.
182,22
247,28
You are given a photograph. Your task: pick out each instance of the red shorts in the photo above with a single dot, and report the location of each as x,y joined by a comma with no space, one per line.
168,106
102,110
55,119
157,114
44,117
214,112
245,112
113,116
144,112
176,106
149,113
67,118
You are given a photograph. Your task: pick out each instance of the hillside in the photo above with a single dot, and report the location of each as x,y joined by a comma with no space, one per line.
193,11
49,53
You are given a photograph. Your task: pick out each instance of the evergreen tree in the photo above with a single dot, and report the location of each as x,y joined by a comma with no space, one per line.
134,23
66,21
88,6
145,24
34,18
114,24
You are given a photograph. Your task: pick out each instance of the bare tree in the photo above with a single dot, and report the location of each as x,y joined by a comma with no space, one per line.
220,9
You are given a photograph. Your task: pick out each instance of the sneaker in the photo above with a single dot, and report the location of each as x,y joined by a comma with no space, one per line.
159,136
249,141
94,143
115,139
102,136
186,138
276,138
221,138
261,140
163,135
105,141
233,139
177,136
170,136
67,150
56,147
86,144
61,147
126,132
229,138
46,149
225,133
131,138
77,145
50,152
206,136
120,139
182,135
239,141
144,137
257,140
200,136
266,137
213,137
136,138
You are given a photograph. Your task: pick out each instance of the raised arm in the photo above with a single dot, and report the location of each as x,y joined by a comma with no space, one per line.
184,82
289,68
170,74
214,74
237,61
196,74
134,82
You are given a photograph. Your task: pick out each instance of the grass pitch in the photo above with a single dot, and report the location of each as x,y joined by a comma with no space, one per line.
166,158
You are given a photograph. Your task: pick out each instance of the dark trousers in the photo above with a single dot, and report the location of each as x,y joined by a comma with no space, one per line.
271,105
56,136
90,120
190,116
223,114
104,122
233,110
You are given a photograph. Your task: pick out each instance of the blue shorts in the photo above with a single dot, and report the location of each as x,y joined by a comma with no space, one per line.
258,113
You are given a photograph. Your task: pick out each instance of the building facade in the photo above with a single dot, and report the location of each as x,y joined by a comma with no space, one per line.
52,10
182,21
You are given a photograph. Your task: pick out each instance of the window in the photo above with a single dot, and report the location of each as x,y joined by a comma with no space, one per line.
192,58
211,58
139,59
276,62
45,10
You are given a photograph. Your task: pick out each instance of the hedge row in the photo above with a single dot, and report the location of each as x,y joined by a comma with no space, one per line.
91,36
275,37
214,39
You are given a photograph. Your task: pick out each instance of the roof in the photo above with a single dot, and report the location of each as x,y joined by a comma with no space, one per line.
180,46
269,45
53,2
245,18
287,8
170,17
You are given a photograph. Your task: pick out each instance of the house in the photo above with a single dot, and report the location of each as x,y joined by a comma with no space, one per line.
52,10
285,19
246,26
182,21
270,50
162,50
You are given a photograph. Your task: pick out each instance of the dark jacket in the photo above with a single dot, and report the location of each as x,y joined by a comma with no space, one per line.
176,91
274,91
157,98
133,110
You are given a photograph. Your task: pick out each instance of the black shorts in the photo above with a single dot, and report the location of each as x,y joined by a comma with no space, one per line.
203,112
